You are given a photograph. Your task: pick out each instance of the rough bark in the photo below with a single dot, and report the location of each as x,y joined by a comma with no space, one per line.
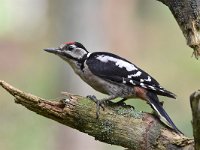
187,15
195,106
118,125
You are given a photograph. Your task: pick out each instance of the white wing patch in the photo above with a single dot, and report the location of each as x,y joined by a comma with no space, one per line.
131,81
137,74
152,87
123,81
148,79
161,90
141,80
118,62
142,85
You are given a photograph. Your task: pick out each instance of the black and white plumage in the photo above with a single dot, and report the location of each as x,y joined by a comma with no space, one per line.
112,67
115,76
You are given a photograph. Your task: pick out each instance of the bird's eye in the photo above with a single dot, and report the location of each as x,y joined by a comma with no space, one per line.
70,47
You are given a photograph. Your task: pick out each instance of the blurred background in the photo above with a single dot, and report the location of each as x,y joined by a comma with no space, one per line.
144,32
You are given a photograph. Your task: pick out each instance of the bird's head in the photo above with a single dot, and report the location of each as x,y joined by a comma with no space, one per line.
69,51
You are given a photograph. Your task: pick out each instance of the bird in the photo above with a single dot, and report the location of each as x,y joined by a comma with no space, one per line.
114,76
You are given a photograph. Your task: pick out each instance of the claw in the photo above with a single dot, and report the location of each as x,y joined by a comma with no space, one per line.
92,97
99,104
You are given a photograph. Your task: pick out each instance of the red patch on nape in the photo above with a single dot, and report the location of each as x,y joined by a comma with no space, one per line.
69,43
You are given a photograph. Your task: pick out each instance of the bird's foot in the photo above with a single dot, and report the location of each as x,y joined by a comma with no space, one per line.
99,104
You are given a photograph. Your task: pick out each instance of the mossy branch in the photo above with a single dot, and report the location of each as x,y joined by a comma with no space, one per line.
187,15
118,125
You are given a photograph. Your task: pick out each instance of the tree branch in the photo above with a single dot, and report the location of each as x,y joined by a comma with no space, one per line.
187,15
118,125
195,106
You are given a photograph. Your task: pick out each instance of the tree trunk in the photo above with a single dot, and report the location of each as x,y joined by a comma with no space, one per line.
187,15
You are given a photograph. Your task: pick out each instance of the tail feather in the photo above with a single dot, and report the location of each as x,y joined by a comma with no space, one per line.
155,104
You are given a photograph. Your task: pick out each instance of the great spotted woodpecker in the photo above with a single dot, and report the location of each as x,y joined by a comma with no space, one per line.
115,76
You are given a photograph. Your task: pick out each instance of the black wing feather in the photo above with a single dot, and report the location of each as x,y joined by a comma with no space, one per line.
110,71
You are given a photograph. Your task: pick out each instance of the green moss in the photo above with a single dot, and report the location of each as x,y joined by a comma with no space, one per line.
128,110
84,101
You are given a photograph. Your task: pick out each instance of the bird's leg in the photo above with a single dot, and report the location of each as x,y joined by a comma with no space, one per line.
99,103
94,99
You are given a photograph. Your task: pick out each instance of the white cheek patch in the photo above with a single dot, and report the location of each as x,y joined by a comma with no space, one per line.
79,53
88,55
118,62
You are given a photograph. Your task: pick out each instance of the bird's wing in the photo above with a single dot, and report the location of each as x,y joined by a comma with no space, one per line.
114,68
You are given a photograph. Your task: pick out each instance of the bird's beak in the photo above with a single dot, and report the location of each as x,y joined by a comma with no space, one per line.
52,50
